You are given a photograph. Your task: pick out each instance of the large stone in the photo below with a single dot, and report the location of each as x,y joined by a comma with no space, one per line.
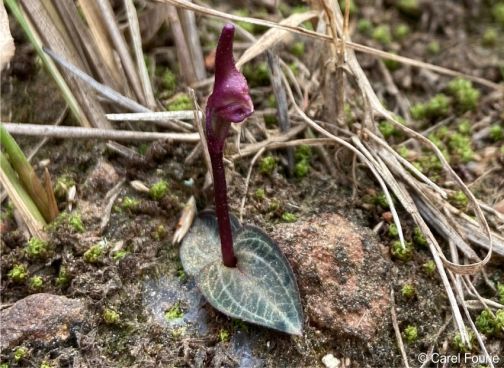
341,273
42,318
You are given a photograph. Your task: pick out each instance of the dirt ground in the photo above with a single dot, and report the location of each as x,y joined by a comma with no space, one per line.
139,309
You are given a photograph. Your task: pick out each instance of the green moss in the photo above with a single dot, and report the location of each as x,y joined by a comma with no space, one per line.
63,183
365,26
429,267
499,321
466,96
381,200
20,353
489,37
409,7
410,334
458,199
302,168
111,317
294,68
403,254
270,120
408,291
382,35
438,106
387,129
498,13
392,65
129,203
37,248
298,49
174,312
249,27
267,165
168,82
392,231
63,277
120,254
158,190
464,127
496,132
94,254
401,32
274,205
36,282
459,345
224,335
45,364
4,365
18,273
419,237
75,222
289,217
433,48
180,102
485,322
160,232
260,194
257,74
303,152
500,292
403,152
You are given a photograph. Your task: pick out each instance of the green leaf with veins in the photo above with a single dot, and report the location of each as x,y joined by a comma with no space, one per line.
261,289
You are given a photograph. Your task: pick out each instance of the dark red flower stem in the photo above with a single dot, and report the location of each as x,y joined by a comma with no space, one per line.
216,150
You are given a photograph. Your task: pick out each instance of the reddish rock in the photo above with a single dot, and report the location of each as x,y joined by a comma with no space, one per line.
39,318
342,276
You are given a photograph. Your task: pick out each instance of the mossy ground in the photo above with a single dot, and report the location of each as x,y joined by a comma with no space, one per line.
117,283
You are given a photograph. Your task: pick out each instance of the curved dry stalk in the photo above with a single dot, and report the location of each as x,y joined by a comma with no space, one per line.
247,181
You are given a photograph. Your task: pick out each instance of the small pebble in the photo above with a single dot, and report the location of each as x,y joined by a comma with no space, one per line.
330,361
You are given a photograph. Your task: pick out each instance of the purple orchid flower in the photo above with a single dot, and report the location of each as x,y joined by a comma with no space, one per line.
229,102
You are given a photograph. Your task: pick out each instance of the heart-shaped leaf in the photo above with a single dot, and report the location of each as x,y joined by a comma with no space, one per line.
261,289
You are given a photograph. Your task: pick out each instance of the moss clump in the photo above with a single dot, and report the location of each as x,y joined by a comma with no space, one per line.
381,200
429,267
458,199
63,184
409,7
499,321
267,165
129,203
289,217
36,282
466,96
498,13
489,37
18,273
63,278
460,346
485,322
392,231
260,194
111,317
419,237
302,156
401,32
464,127
461,147
500,292
20,353
387,129
298,49
45,364
382,35
168,82
496,132
270,120
401,253
94,254
120,254
410,334
158,190
174,312
436,107
433,48
365,26
37,248
408,291
180,102
75,222
224,335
